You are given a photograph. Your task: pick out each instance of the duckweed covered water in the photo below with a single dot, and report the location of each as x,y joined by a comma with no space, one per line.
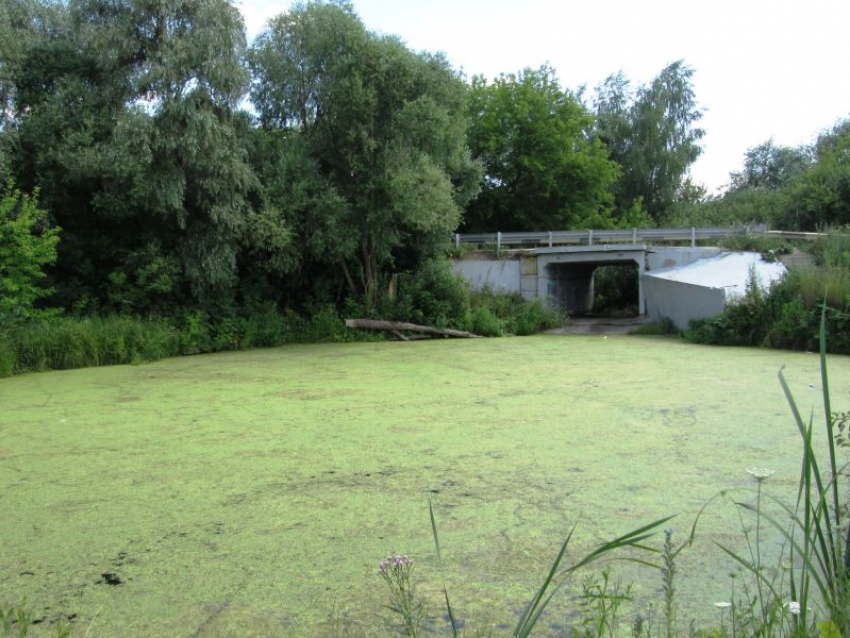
254,493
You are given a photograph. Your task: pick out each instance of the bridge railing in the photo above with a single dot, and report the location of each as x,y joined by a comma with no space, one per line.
592,237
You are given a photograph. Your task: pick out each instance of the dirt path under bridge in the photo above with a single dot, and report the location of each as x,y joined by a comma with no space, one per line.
598,326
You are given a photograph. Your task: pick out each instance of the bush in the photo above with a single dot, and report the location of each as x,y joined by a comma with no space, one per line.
513,314
483,322
432,296
264,327
785,316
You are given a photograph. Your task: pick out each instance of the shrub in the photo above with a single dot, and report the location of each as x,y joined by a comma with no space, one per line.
483,322
532,317
27,244
432,296
785,316
264,327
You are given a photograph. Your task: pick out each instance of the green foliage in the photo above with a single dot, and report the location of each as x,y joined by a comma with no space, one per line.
788,188
651,133
432,296
816,539
124,119
377,137
27,245
16,621
660,328
435,296
600,602
542,170
615,290
768,166
483,322
495,314
735,207
559,576
833,251
821,195
770,248
785,316
60,344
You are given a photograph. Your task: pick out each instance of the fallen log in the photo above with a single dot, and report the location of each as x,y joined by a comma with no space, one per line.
400,326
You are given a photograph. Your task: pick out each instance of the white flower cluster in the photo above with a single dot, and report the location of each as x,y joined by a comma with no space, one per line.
760,473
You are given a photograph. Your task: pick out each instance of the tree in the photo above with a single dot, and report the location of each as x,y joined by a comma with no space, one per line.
371,143
125,119
651,134
541,170
820,196
27,245
771,166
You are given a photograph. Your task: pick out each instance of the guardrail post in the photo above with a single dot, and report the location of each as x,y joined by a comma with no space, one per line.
693,237
590,238
550,239
457,240
634,235
498,244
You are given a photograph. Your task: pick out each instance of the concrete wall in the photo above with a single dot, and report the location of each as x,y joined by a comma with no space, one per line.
658,257
499,275
681,302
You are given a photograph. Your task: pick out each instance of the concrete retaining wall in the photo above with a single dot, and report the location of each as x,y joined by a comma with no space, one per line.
681,302
499,275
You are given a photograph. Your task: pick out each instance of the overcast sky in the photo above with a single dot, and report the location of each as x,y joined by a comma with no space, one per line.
764,68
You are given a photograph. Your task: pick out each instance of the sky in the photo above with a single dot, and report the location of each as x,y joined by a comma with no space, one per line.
764,69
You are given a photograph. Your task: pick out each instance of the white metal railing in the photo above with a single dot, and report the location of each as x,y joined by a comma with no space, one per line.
593,237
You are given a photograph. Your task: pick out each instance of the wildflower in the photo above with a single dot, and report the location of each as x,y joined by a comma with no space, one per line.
394,563
722,605
793,607
760,473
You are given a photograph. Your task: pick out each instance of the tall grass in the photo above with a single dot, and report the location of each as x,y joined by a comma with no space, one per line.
59,344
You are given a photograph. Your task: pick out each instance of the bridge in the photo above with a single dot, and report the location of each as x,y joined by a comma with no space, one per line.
558,267
552,238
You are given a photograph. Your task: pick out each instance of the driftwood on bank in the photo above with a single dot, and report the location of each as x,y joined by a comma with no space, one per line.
400,326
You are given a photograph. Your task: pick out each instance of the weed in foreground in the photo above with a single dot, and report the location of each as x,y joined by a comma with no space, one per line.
395,570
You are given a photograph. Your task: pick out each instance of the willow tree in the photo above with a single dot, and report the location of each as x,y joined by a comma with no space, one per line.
371,137
125,119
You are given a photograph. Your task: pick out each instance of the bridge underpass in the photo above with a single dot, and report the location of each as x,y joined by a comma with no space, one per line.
676,283
565,276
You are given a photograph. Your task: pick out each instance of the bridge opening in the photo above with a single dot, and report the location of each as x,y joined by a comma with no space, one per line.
595,289
616,290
